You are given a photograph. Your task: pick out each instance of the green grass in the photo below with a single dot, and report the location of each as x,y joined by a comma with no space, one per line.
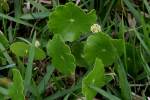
43,78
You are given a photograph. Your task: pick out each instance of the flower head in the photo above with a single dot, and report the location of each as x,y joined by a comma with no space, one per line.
96,28
37,43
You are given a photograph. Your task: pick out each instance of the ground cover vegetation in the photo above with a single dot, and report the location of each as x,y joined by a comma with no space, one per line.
74,49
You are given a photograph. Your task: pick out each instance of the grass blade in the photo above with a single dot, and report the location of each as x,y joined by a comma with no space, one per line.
46,78
108,12
34,90
15,20
38,5
142,42
133,10
2,48
28,73
145,65
104,93
123,82
18,7
3,91
147,6
7,66
63,92
38,15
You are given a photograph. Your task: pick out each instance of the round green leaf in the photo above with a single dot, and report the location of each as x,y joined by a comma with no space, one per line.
77,50
95,78
21,49
119,46
61,55
39,54
17,88
100,46
70,21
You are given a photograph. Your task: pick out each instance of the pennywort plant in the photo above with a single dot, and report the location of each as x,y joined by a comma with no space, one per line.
76,41
69,23
95,49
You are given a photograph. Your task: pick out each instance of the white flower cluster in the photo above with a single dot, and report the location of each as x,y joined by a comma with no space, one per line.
96,28
37,43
